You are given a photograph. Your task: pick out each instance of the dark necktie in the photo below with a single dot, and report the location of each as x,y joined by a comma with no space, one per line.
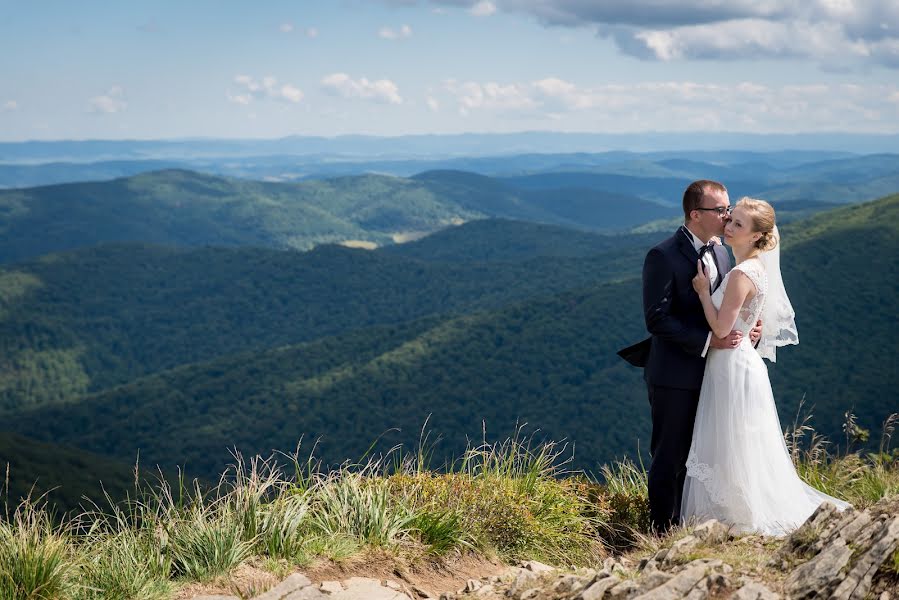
708,249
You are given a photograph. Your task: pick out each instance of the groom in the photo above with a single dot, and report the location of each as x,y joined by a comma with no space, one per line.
674,357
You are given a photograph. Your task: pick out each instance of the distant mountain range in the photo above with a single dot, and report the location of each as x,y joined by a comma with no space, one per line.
191,209
185,208
441,146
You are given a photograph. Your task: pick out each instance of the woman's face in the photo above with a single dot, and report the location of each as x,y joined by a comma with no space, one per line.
738,231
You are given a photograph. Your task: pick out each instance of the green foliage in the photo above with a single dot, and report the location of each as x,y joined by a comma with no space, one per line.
185,208
362,508
104,316
35,563
61,475
625,491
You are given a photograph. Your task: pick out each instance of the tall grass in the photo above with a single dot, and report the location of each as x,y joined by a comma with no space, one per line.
859,478
512,498
35,558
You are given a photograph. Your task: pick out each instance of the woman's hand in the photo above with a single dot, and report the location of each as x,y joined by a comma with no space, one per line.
701,283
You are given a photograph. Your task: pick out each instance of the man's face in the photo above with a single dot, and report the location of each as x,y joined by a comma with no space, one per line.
709,218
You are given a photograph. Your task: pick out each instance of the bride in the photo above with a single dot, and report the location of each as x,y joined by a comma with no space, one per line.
739,470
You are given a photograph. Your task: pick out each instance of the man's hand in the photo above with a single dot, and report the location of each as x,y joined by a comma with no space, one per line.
729,343
755,333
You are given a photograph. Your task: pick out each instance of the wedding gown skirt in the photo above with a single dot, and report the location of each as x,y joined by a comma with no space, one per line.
739,470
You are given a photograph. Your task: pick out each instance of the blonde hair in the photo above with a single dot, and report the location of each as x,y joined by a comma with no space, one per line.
763,221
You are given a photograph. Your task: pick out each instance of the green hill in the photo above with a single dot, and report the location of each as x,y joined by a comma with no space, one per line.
65,474
545,362
82,321
184,208
549,362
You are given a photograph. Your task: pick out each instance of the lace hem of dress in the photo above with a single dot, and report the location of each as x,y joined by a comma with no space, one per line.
724,496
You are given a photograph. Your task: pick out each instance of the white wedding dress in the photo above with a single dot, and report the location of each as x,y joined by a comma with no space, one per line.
739,470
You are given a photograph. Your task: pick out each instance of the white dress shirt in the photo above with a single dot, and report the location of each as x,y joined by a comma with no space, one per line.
712,269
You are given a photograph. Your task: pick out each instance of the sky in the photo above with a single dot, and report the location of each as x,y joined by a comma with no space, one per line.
91,69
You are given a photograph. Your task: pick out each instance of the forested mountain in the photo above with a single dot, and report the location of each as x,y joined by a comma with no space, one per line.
192,209
549,361
61,475
81,321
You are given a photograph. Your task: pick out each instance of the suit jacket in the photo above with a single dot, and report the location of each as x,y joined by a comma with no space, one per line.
674,317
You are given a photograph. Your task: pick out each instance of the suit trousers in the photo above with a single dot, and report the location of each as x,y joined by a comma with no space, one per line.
673,414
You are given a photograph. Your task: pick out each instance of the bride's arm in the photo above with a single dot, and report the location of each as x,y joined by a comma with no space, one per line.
739,286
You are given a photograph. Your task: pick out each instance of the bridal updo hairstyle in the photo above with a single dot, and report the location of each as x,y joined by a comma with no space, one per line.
762,215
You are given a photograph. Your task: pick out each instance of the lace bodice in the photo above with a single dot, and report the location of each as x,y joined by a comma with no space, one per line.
752,307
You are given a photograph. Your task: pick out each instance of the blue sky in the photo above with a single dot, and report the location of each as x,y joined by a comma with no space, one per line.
110,70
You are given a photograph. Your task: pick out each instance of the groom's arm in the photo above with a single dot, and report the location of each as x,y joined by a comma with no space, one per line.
658,298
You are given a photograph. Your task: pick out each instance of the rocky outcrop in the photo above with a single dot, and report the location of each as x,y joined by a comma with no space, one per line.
851,555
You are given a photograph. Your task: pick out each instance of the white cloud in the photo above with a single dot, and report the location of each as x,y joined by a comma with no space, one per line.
311,32
391,34
681,105
267,87
9,106
433,104
291,93
484,8
471,95
286,27
381,90
113,101
837,34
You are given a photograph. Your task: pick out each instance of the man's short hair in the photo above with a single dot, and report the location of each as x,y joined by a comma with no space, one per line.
696,191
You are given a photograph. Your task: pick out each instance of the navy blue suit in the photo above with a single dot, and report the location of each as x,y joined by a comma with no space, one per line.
674,365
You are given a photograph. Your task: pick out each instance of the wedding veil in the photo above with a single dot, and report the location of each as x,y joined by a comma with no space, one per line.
778,317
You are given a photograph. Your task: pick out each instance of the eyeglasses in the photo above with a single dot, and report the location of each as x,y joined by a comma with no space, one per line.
721,210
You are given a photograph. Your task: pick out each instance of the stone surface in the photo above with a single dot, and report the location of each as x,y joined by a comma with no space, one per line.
599,588
860,577
537,567
330,587
365,588
293,583
524,581
753,590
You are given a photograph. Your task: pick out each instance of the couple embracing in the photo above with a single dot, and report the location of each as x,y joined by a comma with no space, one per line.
717,447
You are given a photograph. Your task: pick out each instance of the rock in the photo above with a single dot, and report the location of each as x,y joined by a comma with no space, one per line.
283,590
530,594
364,588
472,585
571,584
215,597
330,587
536,567
651,581
681,584
389,583
598,589
753,590
625,590
712,531
486,590
859,578
680,548
524,581
816,576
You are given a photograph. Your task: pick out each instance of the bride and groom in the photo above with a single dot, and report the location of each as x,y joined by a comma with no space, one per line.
717,448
